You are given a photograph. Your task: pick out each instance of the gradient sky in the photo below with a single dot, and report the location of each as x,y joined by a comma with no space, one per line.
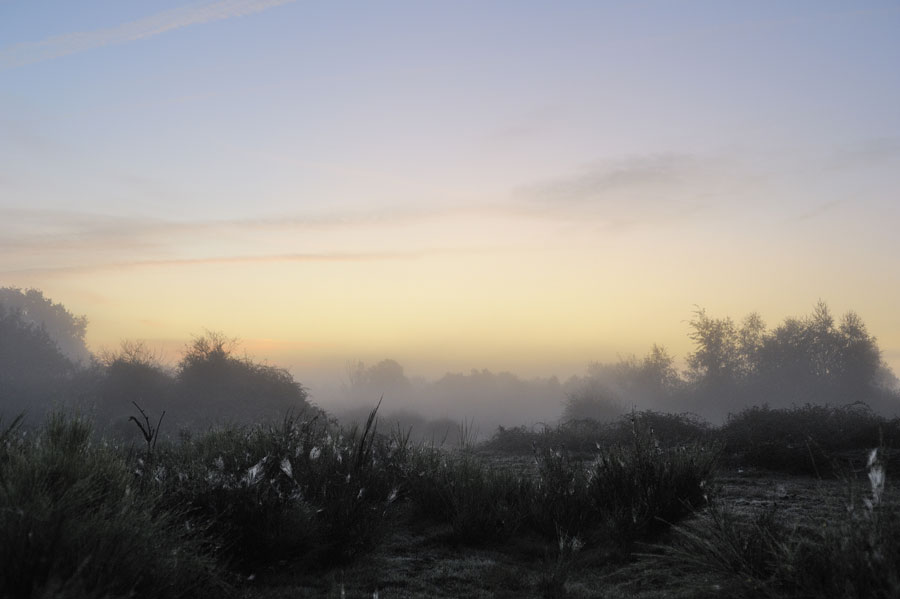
519,186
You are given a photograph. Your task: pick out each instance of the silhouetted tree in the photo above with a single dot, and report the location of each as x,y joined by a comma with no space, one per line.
653,380
819,361
658,375
716,363
859,362
386,376
803,360
34,373
751,337
592,400
64,328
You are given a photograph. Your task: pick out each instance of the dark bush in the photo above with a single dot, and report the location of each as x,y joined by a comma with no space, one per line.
560,504
480,502
34,374
211,380
641,487
305,490
73,523
811,439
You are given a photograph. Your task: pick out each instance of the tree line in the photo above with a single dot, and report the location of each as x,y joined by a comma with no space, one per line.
811,359
817,359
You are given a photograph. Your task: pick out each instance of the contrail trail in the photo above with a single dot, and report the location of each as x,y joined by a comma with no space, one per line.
27,53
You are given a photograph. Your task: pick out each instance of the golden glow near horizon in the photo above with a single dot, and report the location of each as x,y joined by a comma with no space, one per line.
536,299
525,189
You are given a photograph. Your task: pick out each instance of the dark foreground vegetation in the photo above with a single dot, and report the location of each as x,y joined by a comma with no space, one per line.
256,510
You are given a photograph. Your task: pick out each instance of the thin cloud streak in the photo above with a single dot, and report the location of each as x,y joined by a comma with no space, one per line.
877,152
26,53
650,189
227,260
24,229
596,184
815,211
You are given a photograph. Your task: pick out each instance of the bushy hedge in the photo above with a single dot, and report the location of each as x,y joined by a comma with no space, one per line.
809,439
585,436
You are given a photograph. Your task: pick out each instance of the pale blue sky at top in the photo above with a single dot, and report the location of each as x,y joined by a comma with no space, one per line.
741,156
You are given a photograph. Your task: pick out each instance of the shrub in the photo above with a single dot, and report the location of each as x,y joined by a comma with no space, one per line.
71,519
807,439
132,374
516,440
667,430
353,483
480,502
583,436
638,488
301,490
629,490
236,481
560,504
210,379
592,401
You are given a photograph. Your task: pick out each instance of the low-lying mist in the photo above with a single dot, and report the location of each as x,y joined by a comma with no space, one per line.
814,359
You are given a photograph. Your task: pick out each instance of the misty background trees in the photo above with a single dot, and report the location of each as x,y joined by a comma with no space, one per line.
210,384
813,359
36,311
41,351
44,365
817,358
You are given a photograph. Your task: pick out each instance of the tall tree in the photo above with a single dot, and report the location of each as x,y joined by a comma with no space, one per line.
33,371
63,327
716,360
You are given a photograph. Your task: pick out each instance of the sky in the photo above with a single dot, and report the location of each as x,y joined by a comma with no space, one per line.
521,186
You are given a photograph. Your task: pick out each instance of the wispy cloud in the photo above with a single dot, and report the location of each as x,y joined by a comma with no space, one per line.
596,183
877,152
815,211
71,43
49,230
224,260
641,189
34,242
